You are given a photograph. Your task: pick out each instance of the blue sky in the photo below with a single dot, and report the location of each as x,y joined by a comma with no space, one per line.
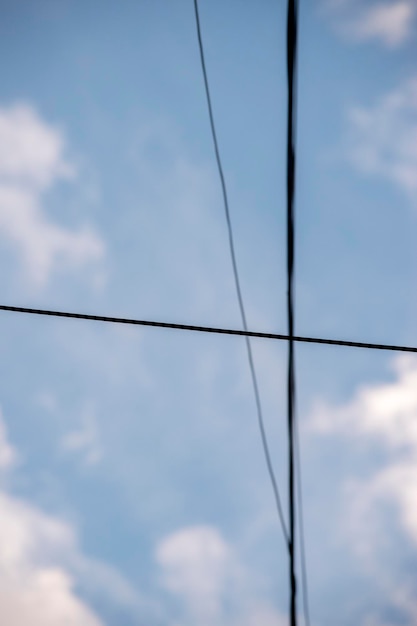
133,489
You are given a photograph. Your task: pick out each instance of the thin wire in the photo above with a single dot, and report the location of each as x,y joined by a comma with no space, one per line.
237,282
206,329
291,77
303,557
291,338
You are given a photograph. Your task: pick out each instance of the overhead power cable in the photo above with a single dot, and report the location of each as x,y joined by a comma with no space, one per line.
291,78
205,329
237,284
303,558
293,429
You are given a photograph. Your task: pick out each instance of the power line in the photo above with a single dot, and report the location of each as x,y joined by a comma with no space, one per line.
237,282
294,442
293,429
291,78
303,558
207,329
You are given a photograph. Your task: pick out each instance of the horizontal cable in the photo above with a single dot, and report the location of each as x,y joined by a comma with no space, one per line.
207,329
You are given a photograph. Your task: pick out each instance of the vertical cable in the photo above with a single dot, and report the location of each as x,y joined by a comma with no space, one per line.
291,76
294,456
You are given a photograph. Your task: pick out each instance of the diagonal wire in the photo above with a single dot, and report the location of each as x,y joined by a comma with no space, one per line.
303,557
237,283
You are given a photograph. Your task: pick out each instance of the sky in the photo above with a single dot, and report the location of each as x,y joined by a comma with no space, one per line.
133,487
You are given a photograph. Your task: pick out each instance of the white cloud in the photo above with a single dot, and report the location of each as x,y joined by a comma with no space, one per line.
43,245
31,160
33,589
383,138
383,415
201,568
383,411
196,563
8,455
41,566
396,483
389,22
31,152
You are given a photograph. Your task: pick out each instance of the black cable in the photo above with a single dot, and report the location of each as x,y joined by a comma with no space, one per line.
237,282
291,76
293,428
206,329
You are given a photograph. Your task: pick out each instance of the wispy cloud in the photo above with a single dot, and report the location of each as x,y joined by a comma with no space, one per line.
31,151
387,413
384,410
383,137
85,440
34,589
196,564
34,585
201,568
8,454
31,161
42,567
390,23
381,417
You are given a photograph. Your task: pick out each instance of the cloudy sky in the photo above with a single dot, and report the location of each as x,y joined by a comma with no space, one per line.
133,489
